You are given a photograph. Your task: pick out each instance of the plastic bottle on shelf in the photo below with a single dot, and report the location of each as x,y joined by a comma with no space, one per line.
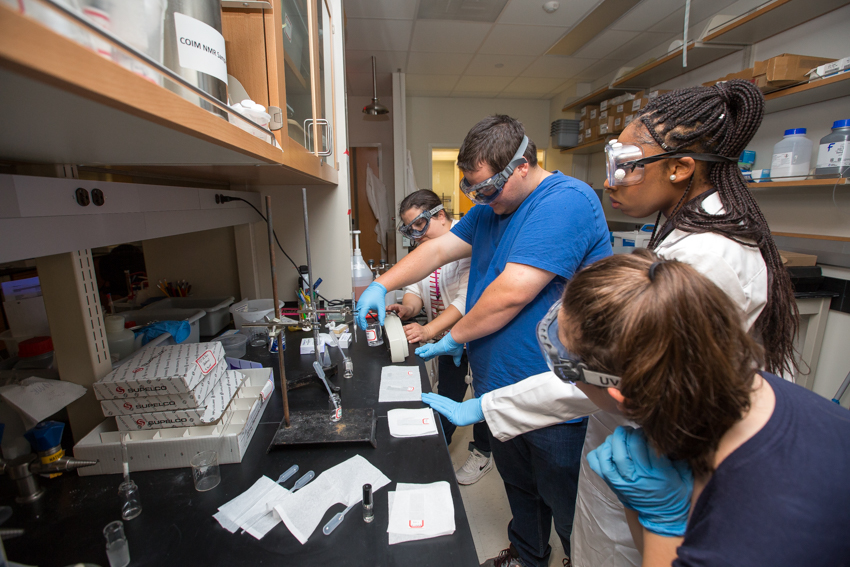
834,152
361,275
119,339
792,156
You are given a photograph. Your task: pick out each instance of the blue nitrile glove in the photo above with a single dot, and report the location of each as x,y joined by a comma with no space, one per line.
658,489
446,345
465,413
179,330
374,298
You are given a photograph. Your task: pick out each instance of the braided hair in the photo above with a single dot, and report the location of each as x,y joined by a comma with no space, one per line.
722,120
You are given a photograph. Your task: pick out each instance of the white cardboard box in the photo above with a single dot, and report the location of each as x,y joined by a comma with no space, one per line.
149,404
210,410
174,448
177,369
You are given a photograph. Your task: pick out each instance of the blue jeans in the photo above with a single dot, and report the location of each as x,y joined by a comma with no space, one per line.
540,471
453,386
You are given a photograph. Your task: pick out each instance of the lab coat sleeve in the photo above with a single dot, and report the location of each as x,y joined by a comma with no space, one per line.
413,289
534,403
462,281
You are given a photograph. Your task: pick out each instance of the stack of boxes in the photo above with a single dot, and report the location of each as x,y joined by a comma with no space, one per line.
612,116
173,386
779,72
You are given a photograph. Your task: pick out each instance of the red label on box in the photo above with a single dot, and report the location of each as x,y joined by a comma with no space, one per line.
206,362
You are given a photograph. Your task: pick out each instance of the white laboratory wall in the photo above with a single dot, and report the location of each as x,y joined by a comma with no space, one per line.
327,209
206,259
441,122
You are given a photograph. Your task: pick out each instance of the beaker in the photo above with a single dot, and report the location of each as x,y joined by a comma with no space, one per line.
259,336
205,471
131,506
117,549
374,336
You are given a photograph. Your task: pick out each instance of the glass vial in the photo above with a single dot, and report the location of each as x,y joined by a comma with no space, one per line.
374,336
131,506
368,505
349,368
336,407
117,549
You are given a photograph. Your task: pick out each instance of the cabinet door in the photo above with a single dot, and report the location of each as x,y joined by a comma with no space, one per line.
297,67
325,96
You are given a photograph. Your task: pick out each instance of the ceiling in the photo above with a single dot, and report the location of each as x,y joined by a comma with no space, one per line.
505,56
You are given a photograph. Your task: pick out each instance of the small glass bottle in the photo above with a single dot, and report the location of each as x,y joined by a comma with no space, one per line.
368,504
117,549
374,336
131,506
336,407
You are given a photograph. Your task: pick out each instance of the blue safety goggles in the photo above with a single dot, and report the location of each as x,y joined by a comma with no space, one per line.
564,364
485,192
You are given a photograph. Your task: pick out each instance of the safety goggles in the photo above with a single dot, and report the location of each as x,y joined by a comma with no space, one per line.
419,226
624,163
486,192
565,365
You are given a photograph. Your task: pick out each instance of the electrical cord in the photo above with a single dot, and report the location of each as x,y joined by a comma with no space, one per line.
225,199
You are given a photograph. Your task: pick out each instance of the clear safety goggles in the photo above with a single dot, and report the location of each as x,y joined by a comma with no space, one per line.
565,365
486,192
419,226
624,163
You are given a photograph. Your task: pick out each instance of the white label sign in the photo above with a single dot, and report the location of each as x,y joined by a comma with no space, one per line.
833,154
200,47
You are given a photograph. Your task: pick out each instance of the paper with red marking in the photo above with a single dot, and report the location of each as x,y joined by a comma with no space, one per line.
400,384
420,511
412,422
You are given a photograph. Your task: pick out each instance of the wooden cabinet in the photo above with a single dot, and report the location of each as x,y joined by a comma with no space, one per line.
64,103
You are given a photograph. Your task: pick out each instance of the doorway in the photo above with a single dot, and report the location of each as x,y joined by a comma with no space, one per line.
362,217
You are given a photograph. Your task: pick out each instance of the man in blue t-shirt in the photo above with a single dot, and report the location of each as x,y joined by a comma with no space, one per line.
536,230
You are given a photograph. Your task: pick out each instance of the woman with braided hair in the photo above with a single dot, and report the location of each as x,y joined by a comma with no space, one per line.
677,159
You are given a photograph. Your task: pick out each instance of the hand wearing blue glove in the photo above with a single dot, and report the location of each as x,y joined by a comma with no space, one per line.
658,489
460,414
446,345
373,298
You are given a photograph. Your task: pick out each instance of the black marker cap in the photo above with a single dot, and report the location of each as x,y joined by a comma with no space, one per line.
367,494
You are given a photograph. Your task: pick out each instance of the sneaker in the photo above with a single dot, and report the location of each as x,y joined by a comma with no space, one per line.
506,558
476,466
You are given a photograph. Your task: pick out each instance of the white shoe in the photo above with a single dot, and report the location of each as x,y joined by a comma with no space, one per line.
475,467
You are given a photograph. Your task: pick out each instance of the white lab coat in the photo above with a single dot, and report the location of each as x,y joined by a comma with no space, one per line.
601,536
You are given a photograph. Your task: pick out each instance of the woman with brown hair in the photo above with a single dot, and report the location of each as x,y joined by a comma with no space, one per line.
759,462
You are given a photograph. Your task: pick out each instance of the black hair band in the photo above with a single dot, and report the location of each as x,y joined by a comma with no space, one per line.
652,269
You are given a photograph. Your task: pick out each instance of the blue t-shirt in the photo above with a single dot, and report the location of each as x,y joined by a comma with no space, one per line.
782,498
560,227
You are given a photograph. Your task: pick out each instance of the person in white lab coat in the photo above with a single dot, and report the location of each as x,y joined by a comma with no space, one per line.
677,159
443,296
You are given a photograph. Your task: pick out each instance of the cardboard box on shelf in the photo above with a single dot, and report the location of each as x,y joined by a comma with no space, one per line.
210,411
822,71
581,137
607,127
604,114
593,113
797,259
160,371
582,124
588,135
785,70
619,122
587,110
652,94
639,103
174,448
629,118
603,105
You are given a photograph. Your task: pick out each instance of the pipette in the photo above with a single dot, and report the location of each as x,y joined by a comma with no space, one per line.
336,520
288,474
321,373
308,476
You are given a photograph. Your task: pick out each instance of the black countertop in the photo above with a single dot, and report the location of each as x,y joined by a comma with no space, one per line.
176,526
